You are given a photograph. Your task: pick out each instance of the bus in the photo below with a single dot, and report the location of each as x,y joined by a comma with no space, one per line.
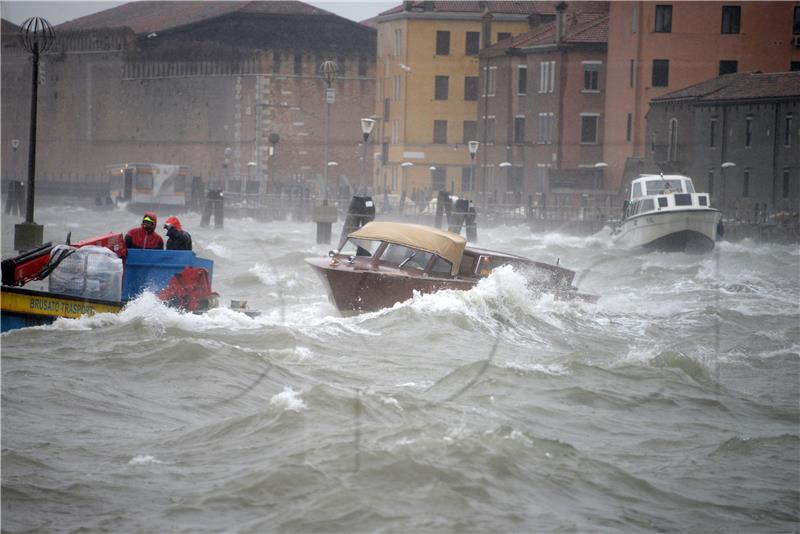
150,184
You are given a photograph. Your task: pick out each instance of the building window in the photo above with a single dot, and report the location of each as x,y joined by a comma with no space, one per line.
470,131
731,16
519,130
491,73
396,88
546,121
712,133
728,66
796,22
634,18
629,128
442,43
787,130
398,41
440,132
589,128
489,126
298,64
522,80
631,73
748,132
276,62
386,108
473,43
466,179
439,179
442,86
503,35
794,66
663,19
746,182
660,72
710,187
672,148
395,131
362,65
547,71
471,88
653,143
785,182
591,76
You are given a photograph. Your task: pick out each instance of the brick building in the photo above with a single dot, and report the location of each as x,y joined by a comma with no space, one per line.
655,48
428,90
198,83
543,121
737,136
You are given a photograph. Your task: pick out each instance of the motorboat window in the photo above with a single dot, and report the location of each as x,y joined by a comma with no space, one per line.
637,190
702,200
360,247
467,266
405,257
441,267
648,205
663,202
684,199
663,187
688,186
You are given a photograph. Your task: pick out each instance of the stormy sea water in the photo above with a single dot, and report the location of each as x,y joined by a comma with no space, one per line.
670,404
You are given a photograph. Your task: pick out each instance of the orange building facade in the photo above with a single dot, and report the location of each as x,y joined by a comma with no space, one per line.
654,49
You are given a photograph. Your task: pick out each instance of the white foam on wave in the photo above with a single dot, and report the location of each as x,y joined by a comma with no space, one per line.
219,250
152,311
288,400
269,276
144,459
552,369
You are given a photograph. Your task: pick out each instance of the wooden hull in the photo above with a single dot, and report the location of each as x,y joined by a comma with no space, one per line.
26,307
685,231
362,290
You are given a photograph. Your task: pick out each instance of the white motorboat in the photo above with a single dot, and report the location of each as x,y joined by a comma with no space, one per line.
664,212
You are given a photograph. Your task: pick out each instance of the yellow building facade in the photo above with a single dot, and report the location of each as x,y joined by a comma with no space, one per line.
428,96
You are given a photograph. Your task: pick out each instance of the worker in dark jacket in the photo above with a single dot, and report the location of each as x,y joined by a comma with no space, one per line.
145,236
177,237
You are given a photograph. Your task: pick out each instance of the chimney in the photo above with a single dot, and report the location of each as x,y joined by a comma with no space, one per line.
561,8
486,28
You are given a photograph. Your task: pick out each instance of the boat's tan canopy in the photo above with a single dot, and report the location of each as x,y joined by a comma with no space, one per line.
448,245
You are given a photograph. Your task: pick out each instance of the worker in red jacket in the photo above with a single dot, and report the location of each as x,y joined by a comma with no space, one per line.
144,236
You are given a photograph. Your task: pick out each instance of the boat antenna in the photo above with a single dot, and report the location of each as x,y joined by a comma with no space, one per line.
558,260
70,235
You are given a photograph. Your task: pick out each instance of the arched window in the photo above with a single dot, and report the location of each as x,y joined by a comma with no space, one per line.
672,149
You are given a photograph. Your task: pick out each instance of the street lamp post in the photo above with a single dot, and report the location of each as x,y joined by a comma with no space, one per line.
328,71
367,125
726,165
473,149
37,38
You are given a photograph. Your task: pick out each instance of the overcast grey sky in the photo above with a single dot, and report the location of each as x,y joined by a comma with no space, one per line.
57,12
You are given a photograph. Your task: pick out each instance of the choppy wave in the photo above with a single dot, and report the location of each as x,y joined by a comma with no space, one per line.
669,404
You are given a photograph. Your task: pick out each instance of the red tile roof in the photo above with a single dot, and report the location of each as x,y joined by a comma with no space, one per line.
500,7
154,16
585,28
740,86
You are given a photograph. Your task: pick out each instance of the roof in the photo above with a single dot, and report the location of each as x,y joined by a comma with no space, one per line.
740,86
154,16
581,28
448,245
499,7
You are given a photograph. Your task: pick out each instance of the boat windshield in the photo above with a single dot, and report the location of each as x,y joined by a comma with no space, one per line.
360,247
663,187
405,257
